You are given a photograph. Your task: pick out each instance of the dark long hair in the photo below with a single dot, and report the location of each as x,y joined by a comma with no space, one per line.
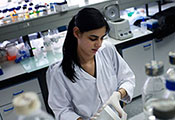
87,19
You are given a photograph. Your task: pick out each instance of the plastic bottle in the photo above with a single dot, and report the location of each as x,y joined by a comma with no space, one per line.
30,11
12,51
154,87
28,107
46,41
20,13
143,25
26,14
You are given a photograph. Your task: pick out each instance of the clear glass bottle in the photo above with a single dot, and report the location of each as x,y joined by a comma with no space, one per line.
165,109
28,107
154,87
170,74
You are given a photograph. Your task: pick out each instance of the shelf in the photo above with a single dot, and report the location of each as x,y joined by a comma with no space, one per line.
124,4
17,29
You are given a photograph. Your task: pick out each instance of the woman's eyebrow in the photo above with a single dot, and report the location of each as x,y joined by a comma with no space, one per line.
94,36
97,36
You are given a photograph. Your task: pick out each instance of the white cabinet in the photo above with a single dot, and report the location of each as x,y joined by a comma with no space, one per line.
162,48
6,108
136,56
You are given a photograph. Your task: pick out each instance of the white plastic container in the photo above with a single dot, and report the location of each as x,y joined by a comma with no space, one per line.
28,107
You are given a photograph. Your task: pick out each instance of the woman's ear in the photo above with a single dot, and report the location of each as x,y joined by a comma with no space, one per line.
76,32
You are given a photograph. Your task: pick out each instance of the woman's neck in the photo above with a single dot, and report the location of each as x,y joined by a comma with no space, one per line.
84,59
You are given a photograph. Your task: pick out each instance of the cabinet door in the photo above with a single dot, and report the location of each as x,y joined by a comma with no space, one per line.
162,48
9,93
8,112
136,56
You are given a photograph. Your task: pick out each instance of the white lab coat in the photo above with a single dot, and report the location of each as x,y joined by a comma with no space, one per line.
70,100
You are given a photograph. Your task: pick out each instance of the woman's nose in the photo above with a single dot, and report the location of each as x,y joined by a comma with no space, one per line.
98,43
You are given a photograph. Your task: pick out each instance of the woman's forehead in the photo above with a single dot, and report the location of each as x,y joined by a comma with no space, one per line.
97,32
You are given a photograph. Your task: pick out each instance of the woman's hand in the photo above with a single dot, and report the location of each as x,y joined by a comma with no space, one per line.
79,118
114,101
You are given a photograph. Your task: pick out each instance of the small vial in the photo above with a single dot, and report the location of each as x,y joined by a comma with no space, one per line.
143,26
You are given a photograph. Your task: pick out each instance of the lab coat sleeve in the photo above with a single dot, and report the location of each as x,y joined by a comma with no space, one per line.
59,97
125,76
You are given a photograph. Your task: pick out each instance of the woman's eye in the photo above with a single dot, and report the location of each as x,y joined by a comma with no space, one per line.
92,39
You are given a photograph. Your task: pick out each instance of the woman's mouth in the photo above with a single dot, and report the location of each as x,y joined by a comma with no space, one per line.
94,50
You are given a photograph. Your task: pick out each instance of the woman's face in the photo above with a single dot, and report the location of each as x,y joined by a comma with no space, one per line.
89,42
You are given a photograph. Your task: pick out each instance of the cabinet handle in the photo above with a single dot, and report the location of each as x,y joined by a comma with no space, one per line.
148,45
9,109
158,40
17,93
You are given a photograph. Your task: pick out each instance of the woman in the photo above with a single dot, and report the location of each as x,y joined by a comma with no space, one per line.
91,74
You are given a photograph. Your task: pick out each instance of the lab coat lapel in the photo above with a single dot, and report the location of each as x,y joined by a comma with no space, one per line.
83,74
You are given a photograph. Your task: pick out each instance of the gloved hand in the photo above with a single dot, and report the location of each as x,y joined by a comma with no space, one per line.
96,115
114,101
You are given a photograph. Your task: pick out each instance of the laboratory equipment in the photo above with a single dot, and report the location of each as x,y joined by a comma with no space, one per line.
143,26
154,88
27,106
12,51
119,28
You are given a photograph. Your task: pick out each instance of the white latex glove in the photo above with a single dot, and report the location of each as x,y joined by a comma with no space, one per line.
114,101
95,117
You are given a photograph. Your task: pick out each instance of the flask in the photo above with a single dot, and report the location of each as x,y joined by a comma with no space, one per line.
28,107
154,87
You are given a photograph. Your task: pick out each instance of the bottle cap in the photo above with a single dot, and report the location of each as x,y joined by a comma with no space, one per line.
172,57
26,1
18,8
26,103
170,85
30,4
25,5
154,68
29,8
164,109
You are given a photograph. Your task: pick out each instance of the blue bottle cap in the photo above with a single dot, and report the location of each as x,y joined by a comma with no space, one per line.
5,10
11,9
170,85
30,4
18,8
25,5
1,72
30,9
26,1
